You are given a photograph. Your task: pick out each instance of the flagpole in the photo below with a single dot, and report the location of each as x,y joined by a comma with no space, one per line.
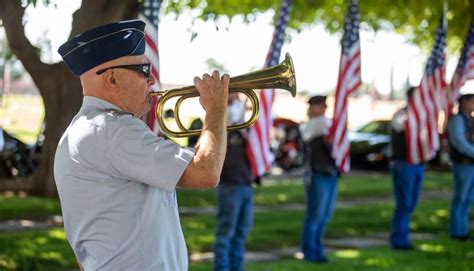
445,11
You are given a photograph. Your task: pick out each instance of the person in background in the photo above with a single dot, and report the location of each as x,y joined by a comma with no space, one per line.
116,180
407,181
195,125
321,180
461,143
234,196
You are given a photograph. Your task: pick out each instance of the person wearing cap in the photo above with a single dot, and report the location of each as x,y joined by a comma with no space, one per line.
461,143
116,179
321,179
407,180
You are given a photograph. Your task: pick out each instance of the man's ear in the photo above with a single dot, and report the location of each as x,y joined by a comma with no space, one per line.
110,81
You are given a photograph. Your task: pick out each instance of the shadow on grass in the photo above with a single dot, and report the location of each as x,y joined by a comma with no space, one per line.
439,255
36,250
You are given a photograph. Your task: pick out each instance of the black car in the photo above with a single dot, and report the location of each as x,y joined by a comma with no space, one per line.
370,146
16,157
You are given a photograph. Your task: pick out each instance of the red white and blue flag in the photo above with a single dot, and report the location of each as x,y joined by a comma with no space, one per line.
426,102
465,69
149,13
349,81
258,147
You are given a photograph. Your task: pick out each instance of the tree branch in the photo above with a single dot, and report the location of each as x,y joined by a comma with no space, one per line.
11,14
98,12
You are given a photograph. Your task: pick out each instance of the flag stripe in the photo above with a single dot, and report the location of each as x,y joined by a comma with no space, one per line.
149,13
465,68
348,81
423,108
258,150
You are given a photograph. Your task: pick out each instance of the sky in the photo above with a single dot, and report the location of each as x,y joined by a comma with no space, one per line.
242,47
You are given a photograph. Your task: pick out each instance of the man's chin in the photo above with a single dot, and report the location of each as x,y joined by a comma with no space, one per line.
145,111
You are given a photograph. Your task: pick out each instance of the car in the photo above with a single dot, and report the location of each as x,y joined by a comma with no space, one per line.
16,157
370,146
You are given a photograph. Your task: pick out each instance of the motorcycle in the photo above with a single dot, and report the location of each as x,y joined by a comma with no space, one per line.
288,145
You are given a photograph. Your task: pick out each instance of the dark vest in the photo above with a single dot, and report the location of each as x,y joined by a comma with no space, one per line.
399,145
320,159
456,156
236,170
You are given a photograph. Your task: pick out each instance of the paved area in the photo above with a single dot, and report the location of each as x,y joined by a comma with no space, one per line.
300,207
331,245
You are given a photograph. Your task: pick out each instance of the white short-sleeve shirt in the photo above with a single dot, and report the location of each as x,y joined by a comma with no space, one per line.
116,182
316,126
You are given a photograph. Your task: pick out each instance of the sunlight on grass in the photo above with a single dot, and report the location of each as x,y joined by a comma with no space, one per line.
348,254
58,234
28,251
379,262
205,239
41,240
441,213
53,256
282,197
195,225
8,263
432,248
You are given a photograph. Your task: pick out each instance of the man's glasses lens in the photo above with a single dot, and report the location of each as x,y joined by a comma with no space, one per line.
144,69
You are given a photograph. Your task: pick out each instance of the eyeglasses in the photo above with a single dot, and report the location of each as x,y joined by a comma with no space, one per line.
144,68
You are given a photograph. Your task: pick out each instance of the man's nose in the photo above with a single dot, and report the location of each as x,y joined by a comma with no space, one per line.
152,80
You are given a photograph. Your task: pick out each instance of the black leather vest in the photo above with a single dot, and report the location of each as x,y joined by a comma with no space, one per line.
456,156
236,169
399,145
319,154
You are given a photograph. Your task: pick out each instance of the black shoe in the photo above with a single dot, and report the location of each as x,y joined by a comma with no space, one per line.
461,237
404,247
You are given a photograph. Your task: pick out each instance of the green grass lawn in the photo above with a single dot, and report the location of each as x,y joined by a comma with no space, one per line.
269,194
22,115
36,250
440,255
273,229
26,207
286,191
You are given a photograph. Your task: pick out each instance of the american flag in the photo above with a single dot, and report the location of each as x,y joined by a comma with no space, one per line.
258,150
348,82
465,68
149,13
424,105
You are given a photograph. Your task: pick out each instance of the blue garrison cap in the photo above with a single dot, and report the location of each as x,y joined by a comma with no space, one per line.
102,44
317,99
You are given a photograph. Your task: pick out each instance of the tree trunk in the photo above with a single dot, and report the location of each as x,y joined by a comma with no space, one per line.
60,90
61,102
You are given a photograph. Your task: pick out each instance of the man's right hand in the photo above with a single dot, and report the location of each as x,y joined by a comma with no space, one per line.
213,91
205,168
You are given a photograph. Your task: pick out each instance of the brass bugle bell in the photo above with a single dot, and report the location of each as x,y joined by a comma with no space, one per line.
281,76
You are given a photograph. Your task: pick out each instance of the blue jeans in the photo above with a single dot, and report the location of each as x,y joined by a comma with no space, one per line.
234,221
463,197
320,201
407,181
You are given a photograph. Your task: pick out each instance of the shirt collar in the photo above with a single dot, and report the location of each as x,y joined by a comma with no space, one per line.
98,103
